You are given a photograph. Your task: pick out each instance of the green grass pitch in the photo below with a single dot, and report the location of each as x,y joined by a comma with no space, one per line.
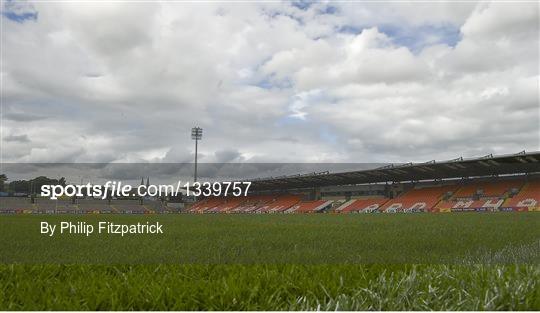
277,262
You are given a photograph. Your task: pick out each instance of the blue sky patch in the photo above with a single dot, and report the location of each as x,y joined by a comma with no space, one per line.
270,83
418,38
350,29
302,4
289,120
328,136
19,12
305,5
414,38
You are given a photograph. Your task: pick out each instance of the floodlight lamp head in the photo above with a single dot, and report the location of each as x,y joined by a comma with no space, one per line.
196,133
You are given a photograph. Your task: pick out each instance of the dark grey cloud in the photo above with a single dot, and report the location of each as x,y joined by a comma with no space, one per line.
17,138
23,117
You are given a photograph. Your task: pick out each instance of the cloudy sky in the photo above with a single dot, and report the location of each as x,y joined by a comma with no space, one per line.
268,82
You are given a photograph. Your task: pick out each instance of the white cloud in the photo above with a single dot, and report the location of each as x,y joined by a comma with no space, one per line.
114,82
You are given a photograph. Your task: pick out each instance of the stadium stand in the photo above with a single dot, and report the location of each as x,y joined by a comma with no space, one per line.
206,204
153,206
83,206
96,206
42,205
65,207
227,205
45,205
279,204
471,205
310,206
481,196
252,203
487,189
417,199
128,207
489,194
368,205
13,205
528,198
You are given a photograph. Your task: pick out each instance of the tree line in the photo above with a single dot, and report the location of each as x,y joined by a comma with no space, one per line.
31,186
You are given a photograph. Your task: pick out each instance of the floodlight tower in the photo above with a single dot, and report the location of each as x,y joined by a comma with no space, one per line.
196,134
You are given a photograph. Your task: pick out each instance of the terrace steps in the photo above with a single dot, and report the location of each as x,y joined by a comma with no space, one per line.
309,206
345,205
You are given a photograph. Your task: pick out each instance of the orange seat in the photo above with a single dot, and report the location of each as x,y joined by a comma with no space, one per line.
421,199
206,204
490,189
228,204
361,205
308,206
491,198
252,203
528,199
279,203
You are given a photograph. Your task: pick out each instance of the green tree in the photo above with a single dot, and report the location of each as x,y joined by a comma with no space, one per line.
3,179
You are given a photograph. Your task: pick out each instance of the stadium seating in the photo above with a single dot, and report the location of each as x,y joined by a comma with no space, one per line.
279,204
486,204
206,204
417,200
228,204
309,206
42,205
153,206
249,204
368,205
509,194
129,209
252,203
15,205
83,206
528,199
480,196
93,206
487,189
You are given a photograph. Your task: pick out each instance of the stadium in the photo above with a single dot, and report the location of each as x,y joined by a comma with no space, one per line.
500,183
486,184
